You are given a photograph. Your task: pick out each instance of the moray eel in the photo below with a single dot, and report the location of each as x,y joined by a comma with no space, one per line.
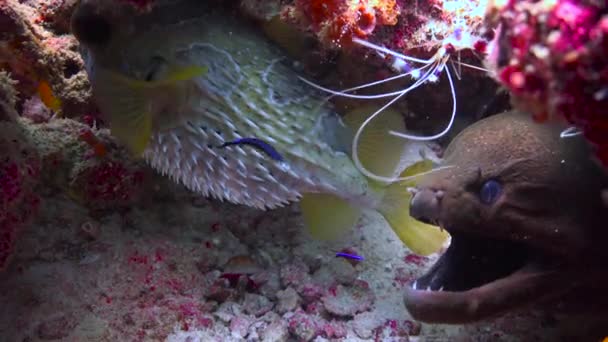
528,225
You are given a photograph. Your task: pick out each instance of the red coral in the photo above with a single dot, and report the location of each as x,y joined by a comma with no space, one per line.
111,184
337,22
554,58
17,201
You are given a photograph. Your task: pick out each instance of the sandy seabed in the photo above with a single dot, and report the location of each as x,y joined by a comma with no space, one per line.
163,273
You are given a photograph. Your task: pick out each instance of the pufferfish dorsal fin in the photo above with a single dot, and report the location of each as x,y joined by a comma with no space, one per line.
126,101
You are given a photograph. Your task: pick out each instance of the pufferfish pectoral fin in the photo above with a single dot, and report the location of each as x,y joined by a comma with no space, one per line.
126,102
420,238
327,216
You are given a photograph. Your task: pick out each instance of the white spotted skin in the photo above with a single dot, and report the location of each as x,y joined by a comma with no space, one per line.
250,91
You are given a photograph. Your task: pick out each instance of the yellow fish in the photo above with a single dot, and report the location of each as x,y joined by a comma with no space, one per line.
211,102
48,98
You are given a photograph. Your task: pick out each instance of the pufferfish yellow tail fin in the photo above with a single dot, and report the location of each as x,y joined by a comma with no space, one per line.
420,238
327,215
378,151
381,154
126,102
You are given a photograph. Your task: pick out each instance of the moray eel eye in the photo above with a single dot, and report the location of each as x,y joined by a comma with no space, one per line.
89,27
490,191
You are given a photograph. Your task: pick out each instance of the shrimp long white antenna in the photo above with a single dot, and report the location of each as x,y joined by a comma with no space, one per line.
456,71
473,67
379,48
355,145
345,92
447,128
431,67
570,132
413,177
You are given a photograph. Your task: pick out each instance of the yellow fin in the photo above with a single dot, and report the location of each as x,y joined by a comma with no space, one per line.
378,151
286,36
327,216
183,74
126,102
418,168
420,238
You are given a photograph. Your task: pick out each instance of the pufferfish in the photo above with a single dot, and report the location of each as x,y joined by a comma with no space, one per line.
210,101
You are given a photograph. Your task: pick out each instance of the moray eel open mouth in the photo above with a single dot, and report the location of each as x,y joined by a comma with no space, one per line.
478,278
527,223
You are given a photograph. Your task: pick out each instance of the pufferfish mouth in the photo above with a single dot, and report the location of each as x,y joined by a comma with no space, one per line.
478,278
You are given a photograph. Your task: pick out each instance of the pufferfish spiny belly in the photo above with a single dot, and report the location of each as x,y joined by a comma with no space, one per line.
216,106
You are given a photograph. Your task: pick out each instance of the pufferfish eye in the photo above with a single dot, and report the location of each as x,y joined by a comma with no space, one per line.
90,27
490,191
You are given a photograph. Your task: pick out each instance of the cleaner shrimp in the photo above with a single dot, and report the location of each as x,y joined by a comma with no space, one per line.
425,70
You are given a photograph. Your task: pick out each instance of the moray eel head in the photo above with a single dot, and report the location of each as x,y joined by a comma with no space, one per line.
524,209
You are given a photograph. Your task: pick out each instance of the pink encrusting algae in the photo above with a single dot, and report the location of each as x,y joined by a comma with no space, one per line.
110,184
337,22
17,206
19,174
553,57
423,54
